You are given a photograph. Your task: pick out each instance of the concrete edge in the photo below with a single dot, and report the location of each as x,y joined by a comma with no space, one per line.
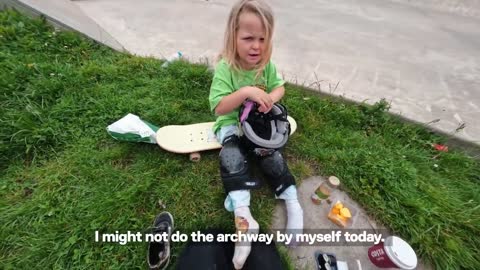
54,13
470,148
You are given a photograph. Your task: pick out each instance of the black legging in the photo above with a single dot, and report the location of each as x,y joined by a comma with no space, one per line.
218,256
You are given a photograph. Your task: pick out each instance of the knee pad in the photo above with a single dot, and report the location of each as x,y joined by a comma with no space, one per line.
275,169
234,166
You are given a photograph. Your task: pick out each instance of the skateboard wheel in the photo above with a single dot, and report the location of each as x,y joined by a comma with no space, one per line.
195,157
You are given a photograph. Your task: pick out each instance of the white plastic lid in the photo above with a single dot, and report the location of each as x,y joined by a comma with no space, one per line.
334,181
400,252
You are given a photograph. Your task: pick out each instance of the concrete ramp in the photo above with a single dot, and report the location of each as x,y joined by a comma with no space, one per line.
64,14
469,8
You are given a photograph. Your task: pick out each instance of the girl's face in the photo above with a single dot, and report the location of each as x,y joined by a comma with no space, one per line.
250,40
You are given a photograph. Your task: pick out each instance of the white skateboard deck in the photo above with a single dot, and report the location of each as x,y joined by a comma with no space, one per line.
187,139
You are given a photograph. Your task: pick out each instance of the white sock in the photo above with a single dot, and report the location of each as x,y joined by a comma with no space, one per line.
247,224
294,220
294,210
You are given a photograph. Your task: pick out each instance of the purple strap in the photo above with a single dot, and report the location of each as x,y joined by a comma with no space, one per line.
248,106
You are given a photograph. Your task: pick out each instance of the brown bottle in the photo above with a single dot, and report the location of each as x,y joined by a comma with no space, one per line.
327,187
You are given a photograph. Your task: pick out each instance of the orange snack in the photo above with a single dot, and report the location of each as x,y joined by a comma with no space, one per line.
339,214
337,220
345,212
343,219
339,205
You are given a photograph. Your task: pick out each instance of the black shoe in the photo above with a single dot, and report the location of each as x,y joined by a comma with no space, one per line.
158,255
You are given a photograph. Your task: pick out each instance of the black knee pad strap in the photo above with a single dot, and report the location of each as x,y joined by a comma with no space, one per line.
283,183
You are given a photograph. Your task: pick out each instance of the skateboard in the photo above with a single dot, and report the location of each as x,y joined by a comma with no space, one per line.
194,138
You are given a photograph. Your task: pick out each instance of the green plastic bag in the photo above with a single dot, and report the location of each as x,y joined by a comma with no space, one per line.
133,129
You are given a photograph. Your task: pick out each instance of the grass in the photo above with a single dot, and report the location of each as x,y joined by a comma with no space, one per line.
63,177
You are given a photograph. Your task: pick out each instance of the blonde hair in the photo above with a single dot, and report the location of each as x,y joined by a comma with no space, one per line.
264,12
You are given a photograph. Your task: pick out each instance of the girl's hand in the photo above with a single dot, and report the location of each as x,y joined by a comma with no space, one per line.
263,99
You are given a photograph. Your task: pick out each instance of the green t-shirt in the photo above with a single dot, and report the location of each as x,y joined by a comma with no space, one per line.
226,81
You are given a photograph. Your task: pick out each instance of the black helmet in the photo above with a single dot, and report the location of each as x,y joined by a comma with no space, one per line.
266,130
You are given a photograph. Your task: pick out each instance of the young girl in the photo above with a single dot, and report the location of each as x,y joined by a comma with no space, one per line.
245,71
